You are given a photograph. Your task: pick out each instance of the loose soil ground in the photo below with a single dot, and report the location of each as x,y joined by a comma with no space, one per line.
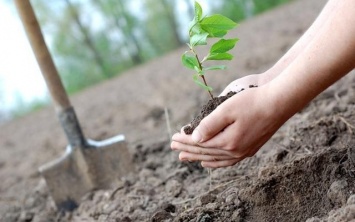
306,172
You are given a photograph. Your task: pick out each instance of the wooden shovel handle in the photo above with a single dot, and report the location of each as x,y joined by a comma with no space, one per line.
44,59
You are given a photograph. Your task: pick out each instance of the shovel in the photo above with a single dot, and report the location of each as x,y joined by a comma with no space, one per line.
86,165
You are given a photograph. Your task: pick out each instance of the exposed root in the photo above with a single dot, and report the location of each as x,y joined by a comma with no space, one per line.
349,126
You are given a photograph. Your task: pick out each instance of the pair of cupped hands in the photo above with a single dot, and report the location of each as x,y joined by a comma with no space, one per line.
237,129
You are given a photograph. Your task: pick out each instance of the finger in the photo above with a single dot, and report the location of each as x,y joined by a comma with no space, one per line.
219,164
197,150
224,140
183,138
183,156
220,144
212,124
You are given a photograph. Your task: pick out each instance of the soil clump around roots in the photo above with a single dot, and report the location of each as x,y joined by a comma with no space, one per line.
211,105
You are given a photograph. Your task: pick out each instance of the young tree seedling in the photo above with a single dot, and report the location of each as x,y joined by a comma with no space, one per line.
202,28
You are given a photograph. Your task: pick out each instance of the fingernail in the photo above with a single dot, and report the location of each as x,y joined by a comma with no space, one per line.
196,136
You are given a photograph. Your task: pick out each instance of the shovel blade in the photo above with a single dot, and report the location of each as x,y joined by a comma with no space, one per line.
83,169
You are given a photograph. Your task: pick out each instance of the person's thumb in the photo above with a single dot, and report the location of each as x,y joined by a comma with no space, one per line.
211,125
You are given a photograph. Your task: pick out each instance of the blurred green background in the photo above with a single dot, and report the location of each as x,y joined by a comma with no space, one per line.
94,40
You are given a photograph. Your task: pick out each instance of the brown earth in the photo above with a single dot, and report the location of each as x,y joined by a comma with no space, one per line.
305,172
206,109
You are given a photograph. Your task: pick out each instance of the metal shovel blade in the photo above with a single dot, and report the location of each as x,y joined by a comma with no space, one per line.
80,170
86,164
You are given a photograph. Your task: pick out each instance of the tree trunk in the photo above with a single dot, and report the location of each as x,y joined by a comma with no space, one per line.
172,21
128,32
88,40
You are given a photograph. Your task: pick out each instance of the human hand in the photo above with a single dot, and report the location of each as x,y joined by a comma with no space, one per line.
250,80
235,130
242,83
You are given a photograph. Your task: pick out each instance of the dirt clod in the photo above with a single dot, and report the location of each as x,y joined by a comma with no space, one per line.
206,110
161,215
207,198
337,192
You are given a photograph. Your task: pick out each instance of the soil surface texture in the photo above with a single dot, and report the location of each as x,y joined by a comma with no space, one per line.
306,172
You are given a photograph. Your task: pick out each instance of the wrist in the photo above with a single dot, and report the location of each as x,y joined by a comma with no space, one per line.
283,99
266,77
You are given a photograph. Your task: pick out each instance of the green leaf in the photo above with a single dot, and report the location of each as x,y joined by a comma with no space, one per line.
201,84
199,39
223,45
195,28
218,22
192,24
189,61
217,67
217,25
220,56
218,34
198,11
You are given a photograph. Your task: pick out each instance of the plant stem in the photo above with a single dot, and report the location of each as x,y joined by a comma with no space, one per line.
204,81
201,68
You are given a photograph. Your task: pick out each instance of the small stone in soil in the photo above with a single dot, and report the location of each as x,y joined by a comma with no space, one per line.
205,218
170,208
160,215
208,198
